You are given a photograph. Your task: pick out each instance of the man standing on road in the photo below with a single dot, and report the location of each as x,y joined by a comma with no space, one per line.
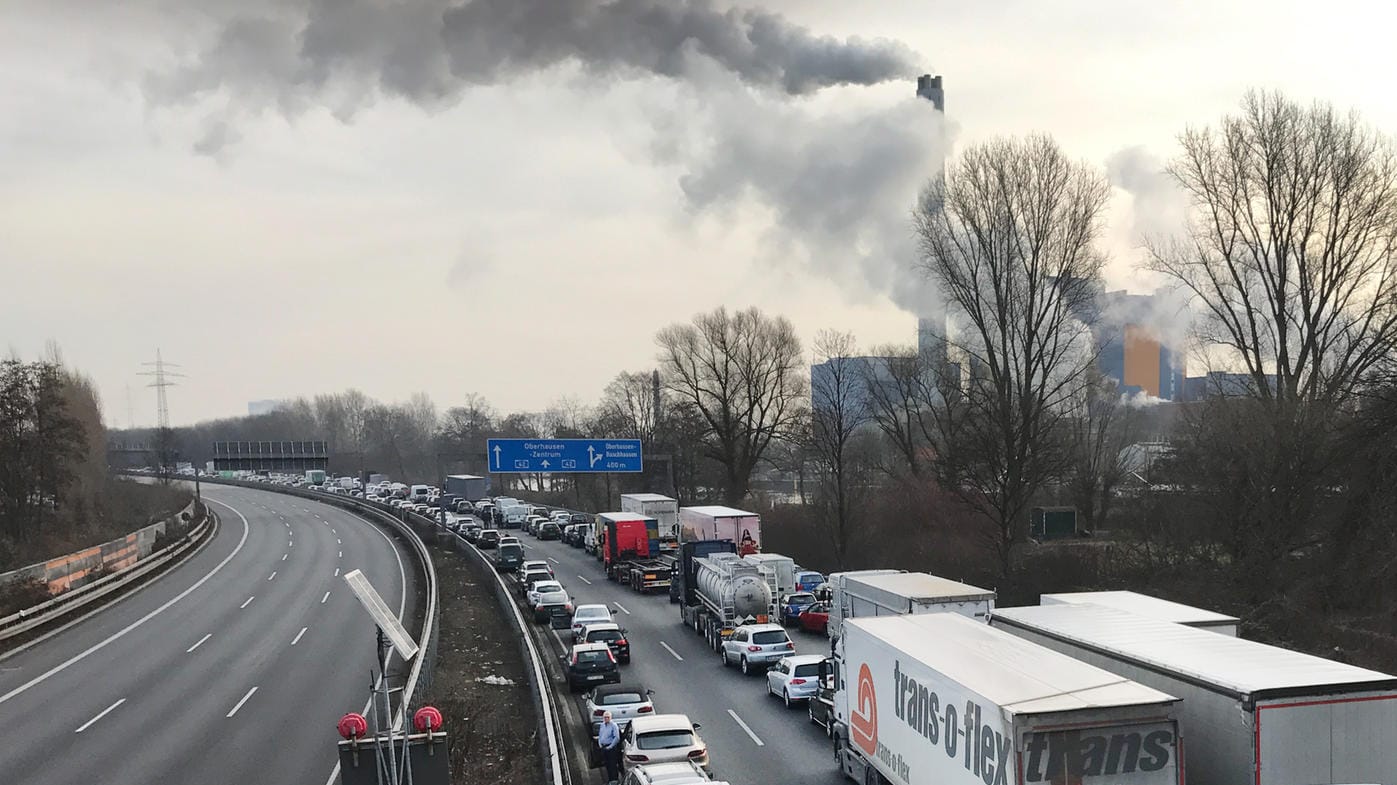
609,739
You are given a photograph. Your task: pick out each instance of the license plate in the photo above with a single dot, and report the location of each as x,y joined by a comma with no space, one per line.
594,678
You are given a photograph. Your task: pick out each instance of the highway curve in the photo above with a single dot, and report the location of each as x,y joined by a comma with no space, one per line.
231,668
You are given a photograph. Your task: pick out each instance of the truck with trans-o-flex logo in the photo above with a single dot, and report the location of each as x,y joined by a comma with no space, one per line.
942,699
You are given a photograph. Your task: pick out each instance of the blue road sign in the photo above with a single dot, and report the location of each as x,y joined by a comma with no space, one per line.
563,456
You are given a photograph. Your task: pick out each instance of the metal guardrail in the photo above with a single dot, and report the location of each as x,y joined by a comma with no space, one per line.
73,599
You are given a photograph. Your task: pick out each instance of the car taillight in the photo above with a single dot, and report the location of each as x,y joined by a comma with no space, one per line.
697,754
797,681
754,648
621,642
638,758
568,607
645,710
538,607
790,646
598,712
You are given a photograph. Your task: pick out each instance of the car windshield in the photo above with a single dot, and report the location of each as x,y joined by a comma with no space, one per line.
810,669
665,740
801,599
547,586
617,698
511,550
584,614
769,637
593,656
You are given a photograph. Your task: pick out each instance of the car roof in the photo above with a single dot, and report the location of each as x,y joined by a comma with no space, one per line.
657,722
603,625
762,627
673,773
803,659
576,647
613,689
591,607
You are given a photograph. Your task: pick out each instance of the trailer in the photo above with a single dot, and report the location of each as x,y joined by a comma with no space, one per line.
730,593
941,699
779,572
722,523
1253,714
891,593
661,508
684,574
649,575
1149,607
467,486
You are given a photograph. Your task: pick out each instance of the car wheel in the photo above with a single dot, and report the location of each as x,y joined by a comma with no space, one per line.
786,696
724,654
746,669
810,712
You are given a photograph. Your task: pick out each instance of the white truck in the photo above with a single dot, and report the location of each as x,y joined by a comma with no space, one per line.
661,508
893,593
419,493
1252,714
722,523
779,572
1149,607
941,699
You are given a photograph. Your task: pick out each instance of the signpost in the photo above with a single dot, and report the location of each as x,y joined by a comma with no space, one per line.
563,456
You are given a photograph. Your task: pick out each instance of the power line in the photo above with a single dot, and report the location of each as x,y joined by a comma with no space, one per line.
162,378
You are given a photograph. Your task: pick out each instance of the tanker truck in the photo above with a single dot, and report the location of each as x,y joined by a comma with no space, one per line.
728,592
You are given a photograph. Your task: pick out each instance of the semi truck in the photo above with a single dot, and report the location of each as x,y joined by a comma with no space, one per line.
942,699
1149,607
629,540
466,486
1252,714
683,574
894,593
661,508
729,592
722,523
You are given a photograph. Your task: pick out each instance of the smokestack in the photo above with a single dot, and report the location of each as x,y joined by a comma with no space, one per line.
929,87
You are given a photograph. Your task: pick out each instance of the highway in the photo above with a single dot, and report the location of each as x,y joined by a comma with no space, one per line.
231,668
753,739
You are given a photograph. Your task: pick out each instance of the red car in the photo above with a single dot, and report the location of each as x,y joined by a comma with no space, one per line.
815,618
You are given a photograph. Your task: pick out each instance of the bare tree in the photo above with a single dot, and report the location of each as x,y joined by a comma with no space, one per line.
1098,430
839,410
629,401
1008,235
742,373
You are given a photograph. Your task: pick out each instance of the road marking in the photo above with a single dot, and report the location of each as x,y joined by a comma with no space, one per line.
273,575
744,727
671,651
561,645
584,580
337,572
200,643
291,544
104,713
326,597
337,541
76,658
550,558
247,602
254,689
284,555
622,608
340,555
297,639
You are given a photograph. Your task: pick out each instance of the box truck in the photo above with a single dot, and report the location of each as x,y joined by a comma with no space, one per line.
892,593
942,699
1149,607
661,508
466,486
722,523
1252,714
315,476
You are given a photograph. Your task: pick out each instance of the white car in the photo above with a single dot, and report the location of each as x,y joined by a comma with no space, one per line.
686,773
544,589
662,738
560,516
588,614
755,646
536,564
795,678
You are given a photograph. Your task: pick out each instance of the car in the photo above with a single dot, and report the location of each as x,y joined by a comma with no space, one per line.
624,701
528,578
488,538
510,539
548,530
539,588
815,618
531,523
572,534
612,635
793,604
807,580
795,678
547,595
686,773
463,507
471,531
541,564
755,646
584,615
508,557
662,738
559,516
589,664
821,706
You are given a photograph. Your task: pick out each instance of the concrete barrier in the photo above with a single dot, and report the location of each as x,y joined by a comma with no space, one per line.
77,569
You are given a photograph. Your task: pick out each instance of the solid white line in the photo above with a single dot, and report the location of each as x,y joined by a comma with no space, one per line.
297,639
254,689
622,607
200,643
671,651
744,727
561,645
273,575
104,713
76,658
550,558
326,597
337,572
584,580
247,602
284,555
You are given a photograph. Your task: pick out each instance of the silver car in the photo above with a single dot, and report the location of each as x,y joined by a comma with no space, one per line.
795,678
756,646
624,701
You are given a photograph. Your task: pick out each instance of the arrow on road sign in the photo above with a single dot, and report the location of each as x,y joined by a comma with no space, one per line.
593,456
497,456
544,463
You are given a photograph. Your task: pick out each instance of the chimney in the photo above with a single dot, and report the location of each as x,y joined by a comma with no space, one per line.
929,87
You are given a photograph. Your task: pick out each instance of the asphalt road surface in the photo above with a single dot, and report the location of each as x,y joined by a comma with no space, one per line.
753,739
231,668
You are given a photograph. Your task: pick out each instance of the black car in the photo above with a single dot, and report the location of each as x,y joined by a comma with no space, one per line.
508,557
470,531
822,705
590,664
548,530
488,538
615,639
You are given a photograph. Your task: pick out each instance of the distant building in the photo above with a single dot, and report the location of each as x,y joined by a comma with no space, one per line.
1222,384
267,406
1132,348
856,372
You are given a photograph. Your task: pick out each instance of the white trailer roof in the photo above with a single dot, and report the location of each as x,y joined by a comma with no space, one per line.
1022,677
922,586
626,516
1143,605
1235,665
647,497
719,511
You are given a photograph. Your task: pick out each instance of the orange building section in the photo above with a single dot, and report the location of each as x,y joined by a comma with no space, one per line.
1142,359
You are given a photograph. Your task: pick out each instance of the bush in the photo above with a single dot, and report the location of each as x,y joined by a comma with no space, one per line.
18,595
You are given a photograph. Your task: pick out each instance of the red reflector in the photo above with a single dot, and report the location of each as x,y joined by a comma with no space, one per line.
797,681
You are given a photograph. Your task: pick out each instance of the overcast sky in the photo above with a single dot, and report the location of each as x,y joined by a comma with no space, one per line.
510,198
